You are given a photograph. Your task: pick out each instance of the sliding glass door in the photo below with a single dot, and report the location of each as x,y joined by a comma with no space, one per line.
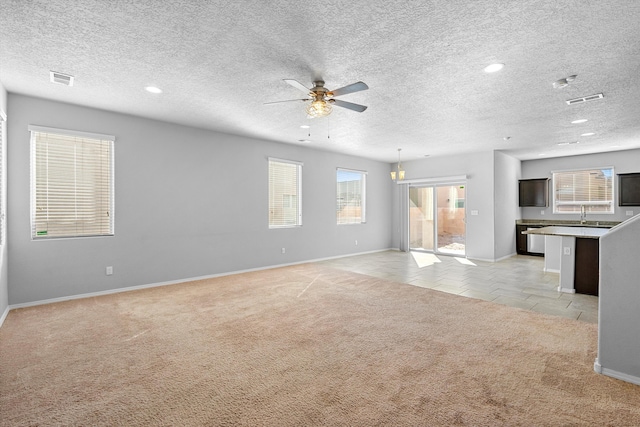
437,219
421,222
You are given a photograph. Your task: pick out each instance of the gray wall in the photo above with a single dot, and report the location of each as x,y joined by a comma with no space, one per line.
507,173
4,287
479,168
618,331
188,203
622,162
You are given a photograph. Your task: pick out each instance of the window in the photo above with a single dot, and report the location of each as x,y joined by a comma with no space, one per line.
350,196
71,183
285,185
591,188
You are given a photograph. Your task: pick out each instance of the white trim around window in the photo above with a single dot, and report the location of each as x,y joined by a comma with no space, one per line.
351,200
285,193
588,189
72,183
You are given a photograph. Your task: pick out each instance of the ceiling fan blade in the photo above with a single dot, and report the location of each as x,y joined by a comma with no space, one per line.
350,105
288,100
297,85
353,87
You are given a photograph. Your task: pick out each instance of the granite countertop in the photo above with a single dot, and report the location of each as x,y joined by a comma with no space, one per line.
567,223
584,232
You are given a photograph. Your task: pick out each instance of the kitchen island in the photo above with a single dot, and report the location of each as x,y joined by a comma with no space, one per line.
578,250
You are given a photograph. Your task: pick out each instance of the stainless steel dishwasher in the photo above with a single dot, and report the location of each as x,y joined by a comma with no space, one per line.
535,242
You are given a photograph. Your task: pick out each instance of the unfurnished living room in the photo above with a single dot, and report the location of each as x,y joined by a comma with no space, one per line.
218,213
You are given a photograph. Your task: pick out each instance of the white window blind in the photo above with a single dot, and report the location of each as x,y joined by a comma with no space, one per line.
285,202
350,196
71,184
591,188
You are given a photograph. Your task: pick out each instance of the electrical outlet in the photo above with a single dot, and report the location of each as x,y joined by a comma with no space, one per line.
542,212
629,213
109,270
283,250
356,243
567,250
474,212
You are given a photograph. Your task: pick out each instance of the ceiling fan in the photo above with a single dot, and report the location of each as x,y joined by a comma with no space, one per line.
322,99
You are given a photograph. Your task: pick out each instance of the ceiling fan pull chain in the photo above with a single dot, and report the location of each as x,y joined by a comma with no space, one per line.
328,131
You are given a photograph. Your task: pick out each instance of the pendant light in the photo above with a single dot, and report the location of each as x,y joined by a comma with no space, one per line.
399,174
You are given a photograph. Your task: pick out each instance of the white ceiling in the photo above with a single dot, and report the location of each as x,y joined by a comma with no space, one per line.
218,62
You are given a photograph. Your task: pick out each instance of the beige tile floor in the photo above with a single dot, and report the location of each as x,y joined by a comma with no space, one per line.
518,281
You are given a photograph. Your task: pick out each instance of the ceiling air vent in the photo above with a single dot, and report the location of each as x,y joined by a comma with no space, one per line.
585,99
61,78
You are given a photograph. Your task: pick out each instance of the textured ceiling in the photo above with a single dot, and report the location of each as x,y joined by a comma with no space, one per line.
218,62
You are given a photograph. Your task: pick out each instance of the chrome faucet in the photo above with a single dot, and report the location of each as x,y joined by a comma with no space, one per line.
583,214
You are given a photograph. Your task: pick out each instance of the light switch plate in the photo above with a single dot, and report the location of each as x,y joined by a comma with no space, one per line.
567,250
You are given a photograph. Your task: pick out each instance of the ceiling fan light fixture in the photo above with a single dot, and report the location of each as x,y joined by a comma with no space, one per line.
321,100
318,108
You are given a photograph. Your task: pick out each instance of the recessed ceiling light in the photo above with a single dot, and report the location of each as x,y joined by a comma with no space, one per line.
575,122
304,140
493,68
506,138
305,127
588,134
153,89
569,143
541,154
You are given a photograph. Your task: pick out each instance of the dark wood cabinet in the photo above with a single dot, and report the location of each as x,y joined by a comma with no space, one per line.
533,192
629,189
521,239
586,274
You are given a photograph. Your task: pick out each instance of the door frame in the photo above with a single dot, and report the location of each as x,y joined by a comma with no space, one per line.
404,207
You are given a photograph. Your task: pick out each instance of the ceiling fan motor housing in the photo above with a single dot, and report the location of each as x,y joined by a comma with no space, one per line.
318,91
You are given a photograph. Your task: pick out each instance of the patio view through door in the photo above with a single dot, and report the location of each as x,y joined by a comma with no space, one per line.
437,219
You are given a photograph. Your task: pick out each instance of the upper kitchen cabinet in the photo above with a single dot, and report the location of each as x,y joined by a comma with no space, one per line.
534,192
629,189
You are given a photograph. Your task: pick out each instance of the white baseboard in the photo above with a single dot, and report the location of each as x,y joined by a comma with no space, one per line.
551,270
491,259
506,257
4,315
174,282
566,290
615,374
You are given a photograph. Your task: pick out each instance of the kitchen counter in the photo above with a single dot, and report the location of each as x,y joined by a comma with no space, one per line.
567,223
533,244
572,231
572,251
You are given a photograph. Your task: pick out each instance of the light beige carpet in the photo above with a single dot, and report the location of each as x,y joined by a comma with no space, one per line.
302,346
